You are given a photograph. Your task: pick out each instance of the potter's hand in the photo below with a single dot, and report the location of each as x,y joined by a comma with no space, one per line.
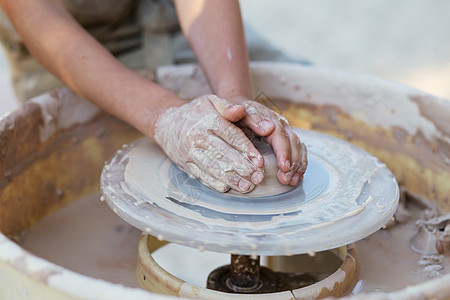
289,150
202,140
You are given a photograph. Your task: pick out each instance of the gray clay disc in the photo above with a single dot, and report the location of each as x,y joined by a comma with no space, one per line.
346,194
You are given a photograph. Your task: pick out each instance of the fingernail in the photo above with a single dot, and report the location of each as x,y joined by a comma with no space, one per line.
294,167
265,125
287,163
244,185
296,178
256,161
257,177
287,176
255,158
304,165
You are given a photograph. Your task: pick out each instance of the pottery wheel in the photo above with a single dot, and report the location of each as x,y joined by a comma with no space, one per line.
346,194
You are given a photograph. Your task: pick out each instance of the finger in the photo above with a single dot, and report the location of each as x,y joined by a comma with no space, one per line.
257,120
231,112
303,161
296,148
228,157
302,168
295,179
206,179
236,138
219,158
231,179
231,159
284,177
238,183
295,154
281,145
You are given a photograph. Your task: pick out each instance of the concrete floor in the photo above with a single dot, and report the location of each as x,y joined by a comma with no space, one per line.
406,41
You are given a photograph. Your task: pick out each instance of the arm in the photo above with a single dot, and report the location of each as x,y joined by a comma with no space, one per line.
185,131
64,48
215,31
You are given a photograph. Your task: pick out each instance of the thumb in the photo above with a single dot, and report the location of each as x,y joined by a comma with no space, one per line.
231,112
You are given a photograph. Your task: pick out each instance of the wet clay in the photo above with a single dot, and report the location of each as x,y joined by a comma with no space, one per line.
388,262
270,185
87,237
343,187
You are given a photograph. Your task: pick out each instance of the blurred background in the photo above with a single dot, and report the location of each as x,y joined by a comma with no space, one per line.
401,40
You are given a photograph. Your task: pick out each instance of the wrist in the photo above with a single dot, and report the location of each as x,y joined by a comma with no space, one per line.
146,117
234,92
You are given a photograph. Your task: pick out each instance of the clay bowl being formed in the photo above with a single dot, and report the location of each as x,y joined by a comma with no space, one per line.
52,150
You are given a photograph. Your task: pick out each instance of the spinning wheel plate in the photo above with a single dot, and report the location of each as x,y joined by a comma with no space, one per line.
346,194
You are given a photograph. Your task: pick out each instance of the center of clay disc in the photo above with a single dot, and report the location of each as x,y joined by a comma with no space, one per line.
270,186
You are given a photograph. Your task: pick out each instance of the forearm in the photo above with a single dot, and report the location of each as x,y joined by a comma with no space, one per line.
215,31
70,53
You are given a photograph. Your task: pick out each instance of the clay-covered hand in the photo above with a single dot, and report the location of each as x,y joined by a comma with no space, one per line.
291,153
201,139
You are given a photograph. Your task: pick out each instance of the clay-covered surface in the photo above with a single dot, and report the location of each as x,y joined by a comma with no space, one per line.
404,127
46,161
346,195
51,152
